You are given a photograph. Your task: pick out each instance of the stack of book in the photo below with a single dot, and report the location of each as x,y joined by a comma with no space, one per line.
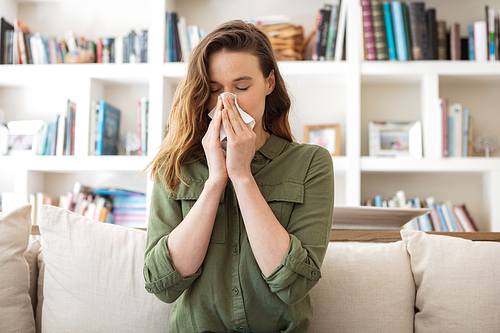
398,30
18,45
57,138
180,39
109,204
329,37
443,217
456,130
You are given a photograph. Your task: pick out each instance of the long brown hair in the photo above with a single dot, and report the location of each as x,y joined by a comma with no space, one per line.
188,121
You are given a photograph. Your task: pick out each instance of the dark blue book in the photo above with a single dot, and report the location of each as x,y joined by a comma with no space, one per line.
108,129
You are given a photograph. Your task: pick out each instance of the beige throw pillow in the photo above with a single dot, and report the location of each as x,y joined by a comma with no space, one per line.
93,280
31,256
364,288
458,283
16,312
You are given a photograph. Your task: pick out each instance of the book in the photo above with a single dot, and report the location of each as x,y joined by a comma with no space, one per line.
332,32
444,225
391,46
480,50
432,33
445,124
442,43
368,31
399,32
6,42
465,136
471,42
406,23
418,28
108,129
339,45
491,34
144,109
455,130
325,13
69,147
450,221
379,30
455,44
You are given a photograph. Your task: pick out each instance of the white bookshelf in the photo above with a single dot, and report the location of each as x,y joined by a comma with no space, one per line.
349,93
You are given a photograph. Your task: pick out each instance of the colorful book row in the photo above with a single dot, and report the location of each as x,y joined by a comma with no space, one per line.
398,30
109,205
443,216
329,38
180,38
20,46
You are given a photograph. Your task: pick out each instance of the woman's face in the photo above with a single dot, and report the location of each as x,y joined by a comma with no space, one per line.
239,73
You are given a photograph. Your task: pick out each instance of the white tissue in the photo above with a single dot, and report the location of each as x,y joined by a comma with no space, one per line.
245,116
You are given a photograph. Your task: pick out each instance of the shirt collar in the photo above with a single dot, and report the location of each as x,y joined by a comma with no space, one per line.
273,147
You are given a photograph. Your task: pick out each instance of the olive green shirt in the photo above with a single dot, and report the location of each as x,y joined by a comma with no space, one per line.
229,292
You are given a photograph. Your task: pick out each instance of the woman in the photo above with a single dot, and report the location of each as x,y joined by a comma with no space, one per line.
236,237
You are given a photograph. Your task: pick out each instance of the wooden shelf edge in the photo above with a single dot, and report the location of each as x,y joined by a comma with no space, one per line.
388,236
377,236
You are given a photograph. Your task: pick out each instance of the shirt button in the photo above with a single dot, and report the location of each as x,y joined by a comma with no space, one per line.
314,274
241,328
235,248
236,291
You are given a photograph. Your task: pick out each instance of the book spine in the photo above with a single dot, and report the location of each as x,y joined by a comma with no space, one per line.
455,218
379,30
457,129
391,46
414,11
487,21
497,38
442,45
100,128
447,214
444,226
326,12
491,34
339,44
465,137
455,46
397,18
432,33
332,32
471,42
368,32
480,41
406,23
445,131
139,117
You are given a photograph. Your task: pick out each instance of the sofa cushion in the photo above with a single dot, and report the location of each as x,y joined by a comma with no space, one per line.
39,291
16,312
93,278
457,280
364,288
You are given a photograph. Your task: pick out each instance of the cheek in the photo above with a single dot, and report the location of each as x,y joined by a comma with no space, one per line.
212,102
254,105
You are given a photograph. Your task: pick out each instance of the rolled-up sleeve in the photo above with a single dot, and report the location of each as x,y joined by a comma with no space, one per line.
160,274
309,229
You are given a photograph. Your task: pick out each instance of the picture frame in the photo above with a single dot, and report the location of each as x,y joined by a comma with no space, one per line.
394,139
327,136
22,135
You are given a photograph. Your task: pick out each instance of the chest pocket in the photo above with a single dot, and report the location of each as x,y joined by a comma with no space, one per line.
188,197
282,197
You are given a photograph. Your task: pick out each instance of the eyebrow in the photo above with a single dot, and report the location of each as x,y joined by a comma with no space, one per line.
241,78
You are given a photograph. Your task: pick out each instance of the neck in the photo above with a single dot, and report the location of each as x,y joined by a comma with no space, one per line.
262,137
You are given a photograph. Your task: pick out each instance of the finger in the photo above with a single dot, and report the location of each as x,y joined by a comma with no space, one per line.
228,126
233,114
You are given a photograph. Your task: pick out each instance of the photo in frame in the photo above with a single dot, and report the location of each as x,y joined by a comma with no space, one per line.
22,135
326,136
395,138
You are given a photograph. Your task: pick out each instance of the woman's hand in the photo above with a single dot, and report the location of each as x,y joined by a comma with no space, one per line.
211,145
240,142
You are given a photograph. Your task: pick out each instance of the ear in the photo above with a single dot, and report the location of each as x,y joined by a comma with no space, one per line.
271,82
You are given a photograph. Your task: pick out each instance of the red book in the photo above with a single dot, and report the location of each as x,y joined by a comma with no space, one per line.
469,217
368,31
99,51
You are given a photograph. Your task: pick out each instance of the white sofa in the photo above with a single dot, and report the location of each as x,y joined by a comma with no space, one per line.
88,276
